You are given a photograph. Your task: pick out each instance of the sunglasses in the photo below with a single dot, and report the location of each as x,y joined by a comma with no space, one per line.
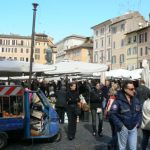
131,89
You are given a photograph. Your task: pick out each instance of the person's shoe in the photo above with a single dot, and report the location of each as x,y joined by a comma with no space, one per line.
100,134
108,147
71,138
94,133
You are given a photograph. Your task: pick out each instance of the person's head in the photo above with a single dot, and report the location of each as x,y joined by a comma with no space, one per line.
107,83
114,88
97,86
72,86
142,81
128,88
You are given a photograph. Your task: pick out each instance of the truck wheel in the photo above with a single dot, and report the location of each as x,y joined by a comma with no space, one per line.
3,140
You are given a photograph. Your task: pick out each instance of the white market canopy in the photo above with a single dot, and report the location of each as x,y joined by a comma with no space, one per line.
118,73
70,66
14,67
123,73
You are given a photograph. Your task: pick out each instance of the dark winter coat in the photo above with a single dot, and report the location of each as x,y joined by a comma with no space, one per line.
61,98
72,97
123,113
96,98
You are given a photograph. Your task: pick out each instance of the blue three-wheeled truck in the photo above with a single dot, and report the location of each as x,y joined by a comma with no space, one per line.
27,114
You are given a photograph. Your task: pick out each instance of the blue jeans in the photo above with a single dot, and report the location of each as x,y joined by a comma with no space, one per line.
129,136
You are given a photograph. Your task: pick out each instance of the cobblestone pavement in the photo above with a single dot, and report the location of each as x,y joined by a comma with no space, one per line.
83,141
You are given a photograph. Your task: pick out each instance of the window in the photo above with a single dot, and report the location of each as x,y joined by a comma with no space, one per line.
122,43
129,40
114,45
15,58
2,49
96,44
134,50
113,59
141,65
13,42
37,57
21,50
7,42
37,50
141,38
109,41
129,51
15,50
21,59
122,27
122,59
145,36
101,56
1,41
21,42
146,50
102,31
102,43
96,33
114,30
134,39
96,57
141,51
27,59
27,50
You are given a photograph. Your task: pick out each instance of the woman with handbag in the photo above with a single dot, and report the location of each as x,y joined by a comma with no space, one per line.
73,109
96,98
112,145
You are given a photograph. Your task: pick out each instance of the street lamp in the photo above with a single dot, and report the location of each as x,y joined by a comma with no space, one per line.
32,42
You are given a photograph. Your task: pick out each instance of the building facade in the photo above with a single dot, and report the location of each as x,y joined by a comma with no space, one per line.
18,47
131,41
67,44
138,47
83,52
109,39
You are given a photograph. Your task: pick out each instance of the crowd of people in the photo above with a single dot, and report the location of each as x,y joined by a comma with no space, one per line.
125,105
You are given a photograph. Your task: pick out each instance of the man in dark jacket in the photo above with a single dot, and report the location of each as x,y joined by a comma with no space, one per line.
126,116
61,103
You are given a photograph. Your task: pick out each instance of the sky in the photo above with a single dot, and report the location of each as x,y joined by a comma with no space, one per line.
62,18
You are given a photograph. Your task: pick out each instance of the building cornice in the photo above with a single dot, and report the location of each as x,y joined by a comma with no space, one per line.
138,30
